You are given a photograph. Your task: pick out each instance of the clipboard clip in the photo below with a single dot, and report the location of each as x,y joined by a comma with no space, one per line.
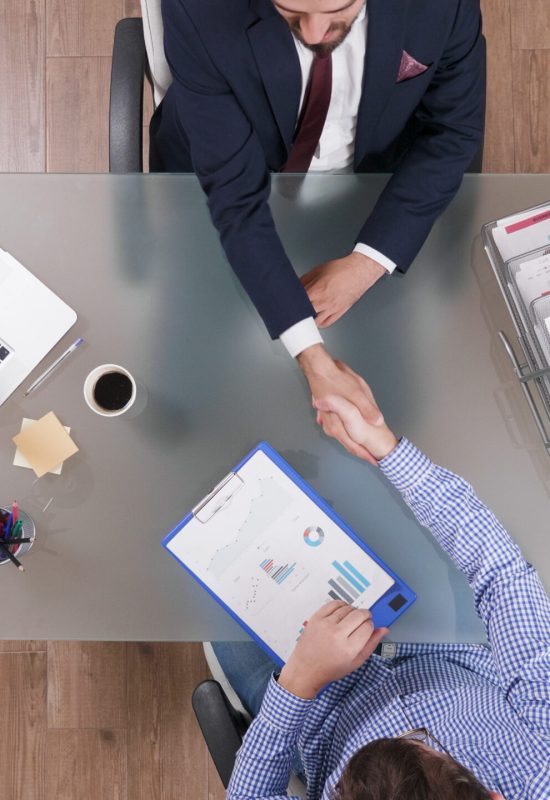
219,497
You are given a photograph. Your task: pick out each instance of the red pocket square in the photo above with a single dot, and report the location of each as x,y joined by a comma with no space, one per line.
409,68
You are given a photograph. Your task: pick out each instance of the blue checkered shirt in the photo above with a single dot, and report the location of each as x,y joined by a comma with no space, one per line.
489,705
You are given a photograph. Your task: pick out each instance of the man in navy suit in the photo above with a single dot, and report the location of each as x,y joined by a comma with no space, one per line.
406,91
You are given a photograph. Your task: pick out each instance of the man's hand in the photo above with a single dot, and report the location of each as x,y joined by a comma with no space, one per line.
329,377
378,441
333,287
336,641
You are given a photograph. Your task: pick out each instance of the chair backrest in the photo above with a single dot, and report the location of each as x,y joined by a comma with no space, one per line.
153,34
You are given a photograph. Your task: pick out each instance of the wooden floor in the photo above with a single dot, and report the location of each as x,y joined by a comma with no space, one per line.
102,721
91,721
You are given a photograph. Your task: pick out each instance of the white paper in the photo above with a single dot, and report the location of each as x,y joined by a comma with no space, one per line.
544,339
269,525
524,240
515,218
533,279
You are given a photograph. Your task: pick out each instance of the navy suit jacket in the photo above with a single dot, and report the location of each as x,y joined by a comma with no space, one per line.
231,111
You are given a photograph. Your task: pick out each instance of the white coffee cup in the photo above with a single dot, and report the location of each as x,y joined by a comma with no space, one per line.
90,386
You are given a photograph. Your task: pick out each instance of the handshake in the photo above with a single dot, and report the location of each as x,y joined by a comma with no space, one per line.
338,638
346,408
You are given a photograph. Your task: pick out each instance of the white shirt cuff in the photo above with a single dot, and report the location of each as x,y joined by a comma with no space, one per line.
366,250
300,336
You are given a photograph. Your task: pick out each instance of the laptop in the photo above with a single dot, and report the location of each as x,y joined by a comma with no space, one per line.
32,320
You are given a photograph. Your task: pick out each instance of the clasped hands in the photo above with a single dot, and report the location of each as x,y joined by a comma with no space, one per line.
333,287
346,408
338,638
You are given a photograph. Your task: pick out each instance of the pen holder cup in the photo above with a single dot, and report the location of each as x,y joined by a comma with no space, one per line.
27,531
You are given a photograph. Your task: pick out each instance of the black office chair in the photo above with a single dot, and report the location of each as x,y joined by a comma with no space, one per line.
222,726
129,68
224,721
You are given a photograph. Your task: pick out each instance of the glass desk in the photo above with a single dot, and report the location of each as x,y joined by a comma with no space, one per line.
139,260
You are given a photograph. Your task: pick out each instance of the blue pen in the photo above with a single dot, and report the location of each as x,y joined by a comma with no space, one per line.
55,365
7,526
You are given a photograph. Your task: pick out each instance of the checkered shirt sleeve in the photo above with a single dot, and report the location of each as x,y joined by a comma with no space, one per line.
264,761
508,593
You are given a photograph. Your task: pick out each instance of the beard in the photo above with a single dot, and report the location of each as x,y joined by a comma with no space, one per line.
341,29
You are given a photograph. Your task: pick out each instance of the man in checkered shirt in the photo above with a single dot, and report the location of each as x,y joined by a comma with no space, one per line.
435,722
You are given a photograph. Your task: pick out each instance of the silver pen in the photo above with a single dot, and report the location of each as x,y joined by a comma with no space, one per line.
53,366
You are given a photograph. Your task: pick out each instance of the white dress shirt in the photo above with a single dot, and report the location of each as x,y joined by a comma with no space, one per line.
336,147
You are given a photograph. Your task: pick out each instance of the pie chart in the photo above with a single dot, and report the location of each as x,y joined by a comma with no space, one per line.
314,536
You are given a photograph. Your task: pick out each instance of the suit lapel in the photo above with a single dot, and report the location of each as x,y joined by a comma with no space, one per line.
385,37
278,63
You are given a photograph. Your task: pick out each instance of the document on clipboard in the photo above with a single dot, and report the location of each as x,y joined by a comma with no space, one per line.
271,552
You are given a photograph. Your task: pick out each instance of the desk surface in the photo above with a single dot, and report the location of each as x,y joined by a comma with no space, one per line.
137,257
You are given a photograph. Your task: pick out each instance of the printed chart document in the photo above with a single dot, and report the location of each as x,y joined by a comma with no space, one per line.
272,552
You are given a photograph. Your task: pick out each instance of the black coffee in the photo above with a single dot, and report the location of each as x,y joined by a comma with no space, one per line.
113,391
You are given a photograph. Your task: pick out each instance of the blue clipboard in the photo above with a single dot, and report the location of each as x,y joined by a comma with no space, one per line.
385,611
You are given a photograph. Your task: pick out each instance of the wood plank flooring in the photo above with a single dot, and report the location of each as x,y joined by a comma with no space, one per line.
500,144
23,724
81,85
22,95
113,720
531,69
104,721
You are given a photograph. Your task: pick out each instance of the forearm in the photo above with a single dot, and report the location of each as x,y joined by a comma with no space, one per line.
257,256
447,505
508,594
238,193
264,762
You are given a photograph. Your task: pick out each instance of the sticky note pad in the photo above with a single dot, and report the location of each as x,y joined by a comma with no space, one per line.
19,459
45,444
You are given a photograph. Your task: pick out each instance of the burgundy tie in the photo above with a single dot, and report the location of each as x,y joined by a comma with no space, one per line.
312,116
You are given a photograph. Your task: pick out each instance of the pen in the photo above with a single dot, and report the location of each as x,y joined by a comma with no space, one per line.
11,557
53,366
7,525
16,542
15,511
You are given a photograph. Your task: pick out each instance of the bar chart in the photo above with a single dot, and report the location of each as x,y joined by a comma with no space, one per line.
278,572
347,583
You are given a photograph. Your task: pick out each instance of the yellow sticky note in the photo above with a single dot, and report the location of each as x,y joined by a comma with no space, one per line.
45,444
19,459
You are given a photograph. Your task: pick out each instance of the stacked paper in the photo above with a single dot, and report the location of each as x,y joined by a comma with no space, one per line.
522,233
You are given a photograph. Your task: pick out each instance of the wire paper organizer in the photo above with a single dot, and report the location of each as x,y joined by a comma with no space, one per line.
531,319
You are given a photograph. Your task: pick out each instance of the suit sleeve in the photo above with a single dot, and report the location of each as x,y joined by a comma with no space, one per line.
230,164
451,114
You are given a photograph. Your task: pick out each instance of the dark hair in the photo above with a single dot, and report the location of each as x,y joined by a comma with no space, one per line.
398,769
